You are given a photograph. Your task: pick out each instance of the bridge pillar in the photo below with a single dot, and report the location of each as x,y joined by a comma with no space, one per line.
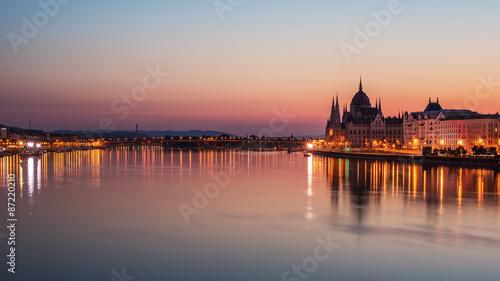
280,146
206,144
244,144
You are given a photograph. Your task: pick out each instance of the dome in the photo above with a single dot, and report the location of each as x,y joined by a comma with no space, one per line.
360,99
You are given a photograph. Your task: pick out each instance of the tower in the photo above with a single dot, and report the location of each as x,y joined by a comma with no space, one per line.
334,123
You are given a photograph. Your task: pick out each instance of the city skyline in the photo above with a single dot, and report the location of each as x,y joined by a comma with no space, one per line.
250,140
232,73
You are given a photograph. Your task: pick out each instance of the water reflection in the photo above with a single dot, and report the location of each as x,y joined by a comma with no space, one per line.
352,182
438,188
120,207
309,192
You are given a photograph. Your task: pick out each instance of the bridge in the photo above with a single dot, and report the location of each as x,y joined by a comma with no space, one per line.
215,143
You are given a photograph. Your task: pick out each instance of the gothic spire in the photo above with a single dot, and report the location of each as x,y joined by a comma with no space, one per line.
380,103
360,83
337,102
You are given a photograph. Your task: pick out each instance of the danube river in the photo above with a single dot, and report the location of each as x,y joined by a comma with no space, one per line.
151,214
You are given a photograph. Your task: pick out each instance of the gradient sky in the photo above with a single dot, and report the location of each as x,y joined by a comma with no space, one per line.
229,75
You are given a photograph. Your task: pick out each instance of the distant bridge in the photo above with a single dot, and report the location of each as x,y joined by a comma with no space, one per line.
214,143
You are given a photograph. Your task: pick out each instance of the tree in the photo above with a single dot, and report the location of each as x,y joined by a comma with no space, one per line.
460,151
479,150
492,150
474,149
482,150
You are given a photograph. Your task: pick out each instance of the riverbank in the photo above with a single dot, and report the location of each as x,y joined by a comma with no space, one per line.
40,151
474,162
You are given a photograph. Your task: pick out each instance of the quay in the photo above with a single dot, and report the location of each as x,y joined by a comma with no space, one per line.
479,162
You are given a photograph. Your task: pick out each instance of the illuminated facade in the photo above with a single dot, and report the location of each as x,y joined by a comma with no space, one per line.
333,131
3,133
440,128
470,131
363,125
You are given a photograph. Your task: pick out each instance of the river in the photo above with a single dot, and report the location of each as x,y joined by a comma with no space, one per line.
146,213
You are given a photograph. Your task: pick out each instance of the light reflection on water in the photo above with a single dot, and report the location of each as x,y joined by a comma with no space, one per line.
95,211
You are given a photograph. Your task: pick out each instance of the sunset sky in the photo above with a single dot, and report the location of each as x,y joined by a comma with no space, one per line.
232,74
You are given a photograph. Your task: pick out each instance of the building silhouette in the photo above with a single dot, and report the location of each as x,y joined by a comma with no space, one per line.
362,125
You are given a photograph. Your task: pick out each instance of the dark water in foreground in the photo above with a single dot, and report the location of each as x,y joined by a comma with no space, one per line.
115,215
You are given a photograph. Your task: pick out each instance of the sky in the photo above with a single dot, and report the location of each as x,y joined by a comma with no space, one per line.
240,66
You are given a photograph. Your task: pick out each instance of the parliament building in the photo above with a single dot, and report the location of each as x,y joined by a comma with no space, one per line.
363,126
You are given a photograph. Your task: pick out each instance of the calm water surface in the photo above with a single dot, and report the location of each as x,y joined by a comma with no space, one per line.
89,215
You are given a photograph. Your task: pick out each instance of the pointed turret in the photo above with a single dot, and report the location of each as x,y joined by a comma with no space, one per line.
360,83
333,126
